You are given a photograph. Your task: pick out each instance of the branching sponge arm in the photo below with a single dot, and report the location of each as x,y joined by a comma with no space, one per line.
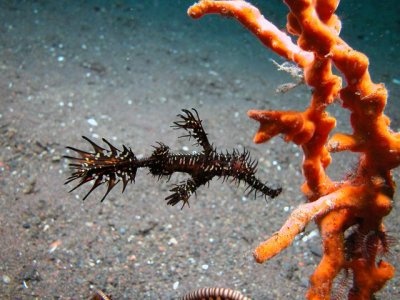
250,17
349,213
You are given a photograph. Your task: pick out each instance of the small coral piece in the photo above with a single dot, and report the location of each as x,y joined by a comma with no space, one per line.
360,202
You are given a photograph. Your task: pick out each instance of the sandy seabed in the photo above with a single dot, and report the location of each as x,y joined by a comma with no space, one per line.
123,70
